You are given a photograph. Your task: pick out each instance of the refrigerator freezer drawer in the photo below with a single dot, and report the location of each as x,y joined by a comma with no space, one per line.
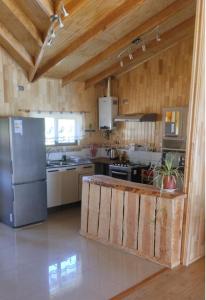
30,204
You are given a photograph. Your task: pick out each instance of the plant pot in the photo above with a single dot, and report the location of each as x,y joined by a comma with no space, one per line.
169,182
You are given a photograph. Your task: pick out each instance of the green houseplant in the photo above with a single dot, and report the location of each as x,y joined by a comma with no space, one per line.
166,175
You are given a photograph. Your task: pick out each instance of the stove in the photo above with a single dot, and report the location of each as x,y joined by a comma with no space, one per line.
127,170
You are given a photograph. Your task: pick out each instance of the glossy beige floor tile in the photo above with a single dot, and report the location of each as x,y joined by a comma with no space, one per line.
52,261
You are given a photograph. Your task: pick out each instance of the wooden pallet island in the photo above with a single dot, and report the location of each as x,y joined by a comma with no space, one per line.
134,217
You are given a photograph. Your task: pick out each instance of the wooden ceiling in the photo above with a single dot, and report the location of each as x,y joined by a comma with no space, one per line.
94,34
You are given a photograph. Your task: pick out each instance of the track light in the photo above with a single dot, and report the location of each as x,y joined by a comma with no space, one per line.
64,11
53,18
130,56
61,25
143,47
158,38
53,35
50,41
121,64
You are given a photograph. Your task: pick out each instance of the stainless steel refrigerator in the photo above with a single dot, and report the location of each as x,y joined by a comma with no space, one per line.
22,171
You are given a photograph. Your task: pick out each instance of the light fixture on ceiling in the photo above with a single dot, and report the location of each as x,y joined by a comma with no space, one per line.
61,25
131,56
64,11
52,34
121,63
50,42
143,47
158,38
53,18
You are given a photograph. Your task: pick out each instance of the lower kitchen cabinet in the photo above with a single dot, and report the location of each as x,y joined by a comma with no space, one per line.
64,185
54,188
69,186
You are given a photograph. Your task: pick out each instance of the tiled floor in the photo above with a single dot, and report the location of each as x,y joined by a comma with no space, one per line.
52,261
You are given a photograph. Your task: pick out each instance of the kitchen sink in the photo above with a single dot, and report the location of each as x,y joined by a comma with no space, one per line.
68,163
60,163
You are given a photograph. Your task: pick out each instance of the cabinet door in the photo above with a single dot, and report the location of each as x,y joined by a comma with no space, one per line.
54,193
69,186
85,170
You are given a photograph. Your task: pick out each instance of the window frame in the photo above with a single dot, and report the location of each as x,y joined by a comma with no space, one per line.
56,143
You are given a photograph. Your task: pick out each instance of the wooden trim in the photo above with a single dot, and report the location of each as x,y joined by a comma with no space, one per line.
46,6
72,8
148,25
130,290
197,91
23,20
176,34
107,21
15,49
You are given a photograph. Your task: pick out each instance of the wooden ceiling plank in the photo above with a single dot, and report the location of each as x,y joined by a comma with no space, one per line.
72,8
47,6
15,49
153,48
23,20
107,21
148,25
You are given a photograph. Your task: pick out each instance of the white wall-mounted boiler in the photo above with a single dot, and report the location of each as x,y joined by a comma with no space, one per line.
108,110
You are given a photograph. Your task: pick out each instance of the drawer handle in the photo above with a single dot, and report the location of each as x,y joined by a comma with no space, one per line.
53,171
87,167
70,169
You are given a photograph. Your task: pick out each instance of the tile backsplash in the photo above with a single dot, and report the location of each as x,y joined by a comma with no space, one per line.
55,153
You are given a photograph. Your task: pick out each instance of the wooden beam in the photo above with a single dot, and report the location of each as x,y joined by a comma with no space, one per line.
72,8
148,25
13,7
14,48
168,39
107,21
47,6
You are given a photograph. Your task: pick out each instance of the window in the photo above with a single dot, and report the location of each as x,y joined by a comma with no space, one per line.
60,131
62,128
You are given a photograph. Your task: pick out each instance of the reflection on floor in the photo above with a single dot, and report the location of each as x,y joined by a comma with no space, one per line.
52,261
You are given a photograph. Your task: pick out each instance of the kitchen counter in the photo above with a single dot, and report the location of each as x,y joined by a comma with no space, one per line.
136,218
67,164
128,186
103,160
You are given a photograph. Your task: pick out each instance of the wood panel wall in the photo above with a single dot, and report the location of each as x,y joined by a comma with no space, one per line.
195,161
44,95
160,82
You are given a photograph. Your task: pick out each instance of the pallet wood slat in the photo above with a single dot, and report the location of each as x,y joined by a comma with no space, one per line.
163,230
93,217
116,224
131,214
177,221
144,225
104,214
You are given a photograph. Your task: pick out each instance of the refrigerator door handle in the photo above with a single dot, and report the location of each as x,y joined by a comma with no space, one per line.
11,164
28,182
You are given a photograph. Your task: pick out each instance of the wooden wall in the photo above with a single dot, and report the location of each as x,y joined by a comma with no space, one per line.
44,95
194,246
162,81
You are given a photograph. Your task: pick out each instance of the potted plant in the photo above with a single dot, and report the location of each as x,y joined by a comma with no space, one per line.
166,175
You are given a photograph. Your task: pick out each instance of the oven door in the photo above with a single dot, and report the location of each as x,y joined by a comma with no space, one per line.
119,174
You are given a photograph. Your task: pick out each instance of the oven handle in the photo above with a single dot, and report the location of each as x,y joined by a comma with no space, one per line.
119,173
